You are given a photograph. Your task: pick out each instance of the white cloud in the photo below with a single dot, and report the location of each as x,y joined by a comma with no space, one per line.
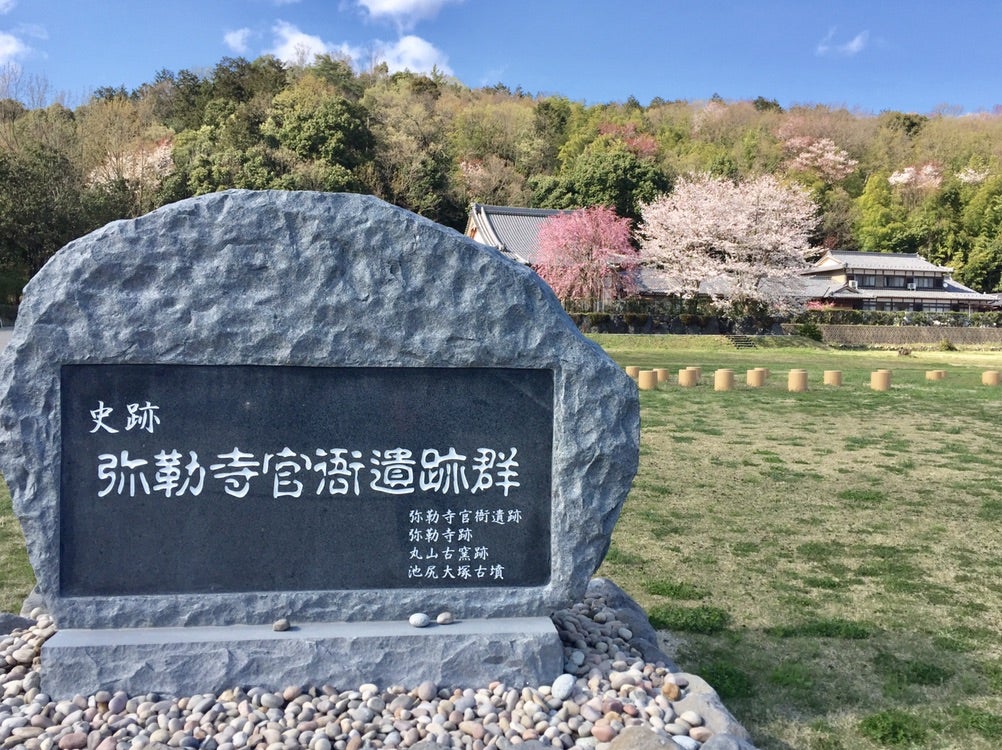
6,6
297,47
405,13
856,45
293,46
414,54
238,40
11,48
828,45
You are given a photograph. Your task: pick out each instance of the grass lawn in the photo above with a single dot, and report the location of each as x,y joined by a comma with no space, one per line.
830,561
16,577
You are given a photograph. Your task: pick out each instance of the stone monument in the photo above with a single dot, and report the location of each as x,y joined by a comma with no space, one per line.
260,406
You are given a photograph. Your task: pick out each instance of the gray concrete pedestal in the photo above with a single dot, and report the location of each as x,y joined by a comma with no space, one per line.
186,661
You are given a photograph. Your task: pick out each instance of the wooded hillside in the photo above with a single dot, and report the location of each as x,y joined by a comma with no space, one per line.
895,182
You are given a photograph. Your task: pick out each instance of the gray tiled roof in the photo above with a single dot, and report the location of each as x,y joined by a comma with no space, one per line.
857,261
812,287
969,296
656,281
511,230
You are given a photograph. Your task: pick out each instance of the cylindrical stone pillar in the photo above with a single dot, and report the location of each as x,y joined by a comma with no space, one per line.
833,377
991,377
723,380
755,378
647,380
697,370
687,378
797,381
664,375
880,380
633,371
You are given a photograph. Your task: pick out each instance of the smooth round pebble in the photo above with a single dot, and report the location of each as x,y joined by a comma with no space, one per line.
427,690
678,727
419,620
691,718
701,734
608,691
563,687
281,625
671,691
686,743
118,703
73,741
272,700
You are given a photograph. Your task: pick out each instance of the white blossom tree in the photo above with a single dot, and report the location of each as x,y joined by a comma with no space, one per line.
972,175
915,183
820,156
735,242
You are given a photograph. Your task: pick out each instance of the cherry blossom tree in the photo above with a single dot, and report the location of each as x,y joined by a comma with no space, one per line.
820,156
586,255
921,177
735,242
141,169
914,184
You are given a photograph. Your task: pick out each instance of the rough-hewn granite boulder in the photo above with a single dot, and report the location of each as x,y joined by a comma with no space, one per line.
313,280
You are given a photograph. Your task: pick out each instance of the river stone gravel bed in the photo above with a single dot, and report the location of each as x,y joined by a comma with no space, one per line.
618,692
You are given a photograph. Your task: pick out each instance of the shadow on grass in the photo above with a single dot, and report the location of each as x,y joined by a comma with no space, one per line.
837,684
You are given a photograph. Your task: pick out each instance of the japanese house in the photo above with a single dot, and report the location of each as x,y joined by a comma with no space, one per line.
855,280
844,279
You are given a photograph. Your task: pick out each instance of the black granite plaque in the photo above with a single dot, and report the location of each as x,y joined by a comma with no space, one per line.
193,479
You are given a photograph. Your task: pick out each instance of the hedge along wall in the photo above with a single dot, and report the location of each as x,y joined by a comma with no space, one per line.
909,335
598,322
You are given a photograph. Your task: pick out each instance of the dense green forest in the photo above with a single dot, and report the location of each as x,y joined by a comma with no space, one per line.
894,182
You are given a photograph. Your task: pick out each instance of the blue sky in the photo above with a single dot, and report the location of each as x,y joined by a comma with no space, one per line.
874,55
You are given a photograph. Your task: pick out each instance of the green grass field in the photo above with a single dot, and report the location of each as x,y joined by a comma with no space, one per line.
830,561
16,577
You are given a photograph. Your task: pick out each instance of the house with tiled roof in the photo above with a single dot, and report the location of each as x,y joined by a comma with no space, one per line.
514,231
509,229
854,280
845,279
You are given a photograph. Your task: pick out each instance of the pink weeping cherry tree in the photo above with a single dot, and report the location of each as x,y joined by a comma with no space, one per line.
587,255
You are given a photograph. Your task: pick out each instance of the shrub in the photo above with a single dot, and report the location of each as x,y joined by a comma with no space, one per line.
636,320
900,317
809,330
945,345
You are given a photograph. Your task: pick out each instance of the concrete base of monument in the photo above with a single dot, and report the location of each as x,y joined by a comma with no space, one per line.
186,661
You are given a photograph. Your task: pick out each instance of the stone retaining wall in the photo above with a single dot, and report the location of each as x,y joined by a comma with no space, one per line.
849,335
